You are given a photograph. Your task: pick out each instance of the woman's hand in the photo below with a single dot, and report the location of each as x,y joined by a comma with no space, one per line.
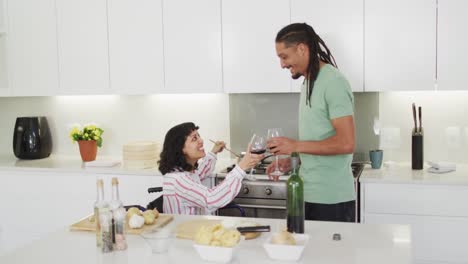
284,166
218,147
250,160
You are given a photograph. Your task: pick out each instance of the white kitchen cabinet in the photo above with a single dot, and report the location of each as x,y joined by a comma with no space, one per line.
452,40
2,16
135,46
32,48
83,47
35,203
250,63
4,86
437,214
192,46
340,24
400,45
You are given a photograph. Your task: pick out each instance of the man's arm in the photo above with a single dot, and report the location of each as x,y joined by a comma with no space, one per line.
341,143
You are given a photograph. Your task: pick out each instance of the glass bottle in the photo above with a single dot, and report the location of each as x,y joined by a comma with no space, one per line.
120,242
295,198
99,205
114,204
105,219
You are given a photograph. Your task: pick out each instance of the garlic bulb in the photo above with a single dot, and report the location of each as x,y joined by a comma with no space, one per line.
136,221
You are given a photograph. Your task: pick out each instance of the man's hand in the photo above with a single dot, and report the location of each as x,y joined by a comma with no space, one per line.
284,166
282,145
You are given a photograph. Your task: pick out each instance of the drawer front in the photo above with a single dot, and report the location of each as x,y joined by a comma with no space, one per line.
434,239
413,199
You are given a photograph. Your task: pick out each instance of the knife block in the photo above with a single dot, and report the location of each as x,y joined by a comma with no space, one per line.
417,150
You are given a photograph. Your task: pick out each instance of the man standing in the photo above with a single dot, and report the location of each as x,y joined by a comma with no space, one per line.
326,125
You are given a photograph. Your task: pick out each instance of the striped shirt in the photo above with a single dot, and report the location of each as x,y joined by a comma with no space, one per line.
183,192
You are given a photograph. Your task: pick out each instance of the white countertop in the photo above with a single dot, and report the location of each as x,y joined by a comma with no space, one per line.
73,164
402,173
62,163
360,243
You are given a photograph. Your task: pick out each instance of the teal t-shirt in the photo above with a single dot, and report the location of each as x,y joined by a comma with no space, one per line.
327,179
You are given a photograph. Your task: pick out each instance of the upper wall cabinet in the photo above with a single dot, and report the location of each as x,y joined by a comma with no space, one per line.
32,48
135,46
250,63
400,45
340,24
192,46
4,87
452,38
83,46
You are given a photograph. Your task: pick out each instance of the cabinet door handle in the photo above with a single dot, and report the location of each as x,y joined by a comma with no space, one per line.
263,206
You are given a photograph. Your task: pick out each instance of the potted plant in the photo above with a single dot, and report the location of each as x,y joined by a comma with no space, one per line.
89,139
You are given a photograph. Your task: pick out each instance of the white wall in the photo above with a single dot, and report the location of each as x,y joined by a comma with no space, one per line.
445,124
123,118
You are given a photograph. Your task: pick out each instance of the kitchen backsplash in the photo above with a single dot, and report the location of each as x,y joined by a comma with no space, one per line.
255,113
235,117
123,118
444,122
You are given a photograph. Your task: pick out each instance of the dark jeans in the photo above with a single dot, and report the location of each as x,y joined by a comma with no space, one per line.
340,212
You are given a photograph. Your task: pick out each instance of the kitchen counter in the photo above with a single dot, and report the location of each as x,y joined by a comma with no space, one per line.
73,164
402,173
360,243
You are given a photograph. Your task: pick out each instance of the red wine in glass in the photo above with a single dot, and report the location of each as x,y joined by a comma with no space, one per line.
258,151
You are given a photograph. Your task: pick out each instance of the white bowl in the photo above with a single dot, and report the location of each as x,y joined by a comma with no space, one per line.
215,254
286,252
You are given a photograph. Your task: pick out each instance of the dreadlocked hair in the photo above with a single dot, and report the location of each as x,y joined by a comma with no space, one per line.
297,33
172,157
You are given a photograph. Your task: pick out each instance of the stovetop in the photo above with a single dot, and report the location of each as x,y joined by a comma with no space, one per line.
260,169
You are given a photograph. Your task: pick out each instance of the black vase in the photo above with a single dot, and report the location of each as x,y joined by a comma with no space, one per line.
31,138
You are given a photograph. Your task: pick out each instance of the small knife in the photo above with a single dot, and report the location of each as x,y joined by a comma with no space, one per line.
246,229
420,119
414,119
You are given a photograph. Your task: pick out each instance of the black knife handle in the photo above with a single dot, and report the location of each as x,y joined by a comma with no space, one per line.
246,229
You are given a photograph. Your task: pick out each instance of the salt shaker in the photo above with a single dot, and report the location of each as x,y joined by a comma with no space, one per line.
105,220
119,225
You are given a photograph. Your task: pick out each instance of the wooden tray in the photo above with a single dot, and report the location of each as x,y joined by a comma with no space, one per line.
86,225
187,230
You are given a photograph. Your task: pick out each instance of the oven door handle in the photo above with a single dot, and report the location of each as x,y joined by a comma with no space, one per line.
262,206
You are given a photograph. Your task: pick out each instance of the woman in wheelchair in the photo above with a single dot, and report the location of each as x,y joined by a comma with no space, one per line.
183,192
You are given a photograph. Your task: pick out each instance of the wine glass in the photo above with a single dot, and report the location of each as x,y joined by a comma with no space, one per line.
272,133
257,146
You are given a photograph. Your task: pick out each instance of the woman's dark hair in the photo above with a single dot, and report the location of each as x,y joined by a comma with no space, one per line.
172,156
297,33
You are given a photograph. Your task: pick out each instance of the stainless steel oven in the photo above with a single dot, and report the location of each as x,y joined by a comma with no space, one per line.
267,199
260,198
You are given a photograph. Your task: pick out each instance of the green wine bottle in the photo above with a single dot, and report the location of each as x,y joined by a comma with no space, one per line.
295,202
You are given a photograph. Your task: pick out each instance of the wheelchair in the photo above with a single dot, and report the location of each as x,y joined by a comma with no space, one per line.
158,202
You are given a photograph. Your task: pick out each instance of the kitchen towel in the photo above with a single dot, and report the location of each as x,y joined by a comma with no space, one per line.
102,163
441,167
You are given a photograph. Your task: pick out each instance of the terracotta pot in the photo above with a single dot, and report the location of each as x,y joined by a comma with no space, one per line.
88,149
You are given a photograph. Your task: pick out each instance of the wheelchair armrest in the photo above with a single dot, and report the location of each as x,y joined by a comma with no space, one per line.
155,189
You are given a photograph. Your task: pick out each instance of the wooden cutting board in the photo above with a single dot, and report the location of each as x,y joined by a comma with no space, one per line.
86,225
187,230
